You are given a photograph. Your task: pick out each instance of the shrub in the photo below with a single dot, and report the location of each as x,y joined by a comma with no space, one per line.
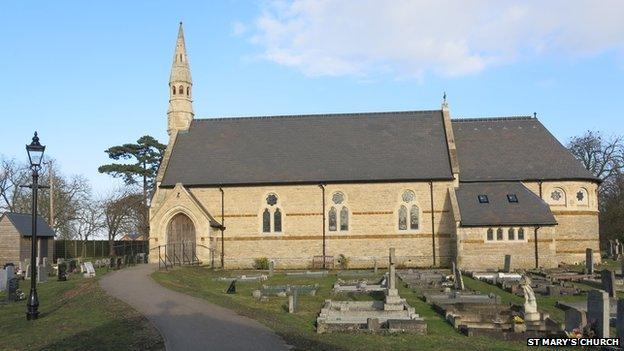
343,261
261,263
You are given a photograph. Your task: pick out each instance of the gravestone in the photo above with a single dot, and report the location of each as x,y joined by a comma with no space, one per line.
89,270
293,301
375,266
392,294
589,261
257,294
42,274
62,272
271,268
3,280
598,312
507,267
611,248
232,288
372,324
12,289
28,272
619,322
608,281
575,319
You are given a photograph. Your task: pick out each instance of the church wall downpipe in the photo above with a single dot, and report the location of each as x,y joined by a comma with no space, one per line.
222,227
322,186
535,232
433,242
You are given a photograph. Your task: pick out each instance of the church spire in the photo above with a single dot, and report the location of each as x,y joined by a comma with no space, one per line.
180,112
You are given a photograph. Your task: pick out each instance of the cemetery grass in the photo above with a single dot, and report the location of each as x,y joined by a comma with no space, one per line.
299,329
75,315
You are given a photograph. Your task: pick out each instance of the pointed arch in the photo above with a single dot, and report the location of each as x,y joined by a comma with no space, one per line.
332,219
414,214
511,234
181,90
174,89
490,234
521,234
344,219
403,218
266,221
499,234
277,220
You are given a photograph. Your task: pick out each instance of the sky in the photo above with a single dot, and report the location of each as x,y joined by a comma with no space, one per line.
90,75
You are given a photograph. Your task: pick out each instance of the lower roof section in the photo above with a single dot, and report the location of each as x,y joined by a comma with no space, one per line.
497,206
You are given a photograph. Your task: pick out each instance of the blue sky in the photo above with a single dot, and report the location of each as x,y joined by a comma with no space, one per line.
89,75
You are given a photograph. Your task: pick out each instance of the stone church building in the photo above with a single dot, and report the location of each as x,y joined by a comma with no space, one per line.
295,189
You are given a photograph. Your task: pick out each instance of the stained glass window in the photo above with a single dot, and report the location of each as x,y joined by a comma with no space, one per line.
266,221
344,219
408,196
414,217
511,234
332,219
338,198
277,220
499,234
271,199
490,234
521,234
403,218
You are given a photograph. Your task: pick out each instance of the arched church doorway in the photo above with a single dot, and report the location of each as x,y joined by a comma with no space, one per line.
181,238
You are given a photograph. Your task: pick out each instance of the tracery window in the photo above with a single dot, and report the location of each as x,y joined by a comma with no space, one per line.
408,199
557,196
338,213
271,215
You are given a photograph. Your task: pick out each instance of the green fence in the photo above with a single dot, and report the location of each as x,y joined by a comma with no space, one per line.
98,248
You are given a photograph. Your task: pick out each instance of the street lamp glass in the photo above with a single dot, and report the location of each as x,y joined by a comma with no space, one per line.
35,151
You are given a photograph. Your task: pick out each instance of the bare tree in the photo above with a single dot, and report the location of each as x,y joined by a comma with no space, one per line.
120,207
602,157
88,221
12,175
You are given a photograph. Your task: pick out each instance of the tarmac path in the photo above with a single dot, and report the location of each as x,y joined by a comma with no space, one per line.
186,322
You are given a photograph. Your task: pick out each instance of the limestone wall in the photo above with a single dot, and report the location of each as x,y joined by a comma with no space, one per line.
9,242
576,215
373,223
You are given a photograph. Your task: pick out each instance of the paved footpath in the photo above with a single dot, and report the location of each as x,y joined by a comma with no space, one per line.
186,322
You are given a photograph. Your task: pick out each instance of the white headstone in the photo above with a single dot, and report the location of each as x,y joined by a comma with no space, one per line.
530,303
3,280
42,274
90,271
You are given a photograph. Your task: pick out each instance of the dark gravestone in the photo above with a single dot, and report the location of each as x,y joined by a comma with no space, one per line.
598,312
507,267
232,288
62,272
619,322
119,262
608,282
72,266
589,261
12,290
112,262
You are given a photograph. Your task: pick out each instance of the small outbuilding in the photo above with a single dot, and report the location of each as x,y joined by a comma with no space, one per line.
15,234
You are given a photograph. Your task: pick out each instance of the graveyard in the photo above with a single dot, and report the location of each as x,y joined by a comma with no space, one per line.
74,312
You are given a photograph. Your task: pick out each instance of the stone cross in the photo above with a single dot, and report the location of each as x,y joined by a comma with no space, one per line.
619,323
459,280
608,281
589,261
507,267
391,270
598,312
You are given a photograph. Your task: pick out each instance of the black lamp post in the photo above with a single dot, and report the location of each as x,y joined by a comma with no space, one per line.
35,155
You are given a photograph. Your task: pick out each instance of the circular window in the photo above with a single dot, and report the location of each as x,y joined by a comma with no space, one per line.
556,195
580,196
408,196
271,199
338,198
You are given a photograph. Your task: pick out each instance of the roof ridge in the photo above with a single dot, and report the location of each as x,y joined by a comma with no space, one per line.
342,114
493,119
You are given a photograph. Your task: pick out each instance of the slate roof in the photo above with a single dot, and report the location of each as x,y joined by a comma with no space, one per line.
310,149
518,148
529,210
23,223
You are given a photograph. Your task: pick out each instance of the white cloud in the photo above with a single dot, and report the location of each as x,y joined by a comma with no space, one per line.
409,37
